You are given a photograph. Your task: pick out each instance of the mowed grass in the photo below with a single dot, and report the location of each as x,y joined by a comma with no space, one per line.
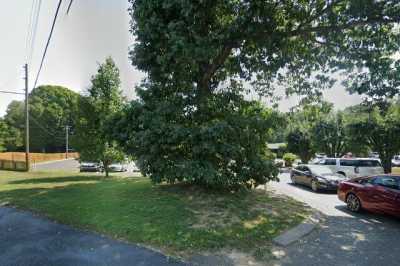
180,220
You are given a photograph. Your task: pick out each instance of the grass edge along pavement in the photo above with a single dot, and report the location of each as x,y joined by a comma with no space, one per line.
179,220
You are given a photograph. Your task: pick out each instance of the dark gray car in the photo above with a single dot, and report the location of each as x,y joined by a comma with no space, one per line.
318,177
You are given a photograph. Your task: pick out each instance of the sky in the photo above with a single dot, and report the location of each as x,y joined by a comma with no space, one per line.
93,30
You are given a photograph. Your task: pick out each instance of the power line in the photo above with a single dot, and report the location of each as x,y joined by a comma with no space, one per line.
12,92
69,6
48,42
34,30
29,32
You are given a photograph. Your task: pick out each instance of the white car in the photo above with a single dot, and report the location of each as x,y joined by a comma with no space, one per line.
135,168
117,167
353,167
396,161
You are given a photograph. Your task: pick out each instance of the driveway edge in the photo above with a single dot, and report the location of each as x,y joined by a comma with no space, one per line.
299,231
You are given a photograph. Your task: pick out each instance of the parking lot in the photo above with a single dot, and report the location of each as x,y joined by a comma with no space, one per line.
343,238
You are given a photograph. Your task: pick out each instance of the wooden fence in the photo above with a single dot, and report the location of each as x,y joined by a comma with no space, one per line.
16,160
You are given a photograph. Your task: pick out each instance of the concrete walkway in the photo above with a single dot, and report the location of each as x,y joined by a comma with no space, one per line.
26,239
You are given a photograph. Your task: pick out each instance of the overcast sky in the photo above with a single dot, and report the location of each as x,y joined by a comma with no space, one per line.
93,30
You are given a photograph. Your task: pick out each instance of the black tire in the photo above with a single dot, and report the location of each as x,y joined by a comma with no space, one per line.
314,185
353,203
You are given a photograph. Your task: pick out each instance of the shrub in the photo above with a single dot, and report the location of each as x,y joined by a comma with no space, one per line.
289,159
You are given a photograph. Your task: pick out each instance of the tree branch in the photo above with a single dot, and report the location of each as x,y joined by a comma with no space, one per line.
325,29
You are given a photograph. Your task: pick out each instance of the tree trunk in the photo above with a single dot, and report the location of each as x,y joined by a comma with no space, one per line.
105,164
387,164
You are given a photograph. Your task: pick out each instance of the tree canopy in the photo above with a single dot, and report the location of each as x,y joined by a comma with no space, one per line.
200,57
96,109
379,129
52,108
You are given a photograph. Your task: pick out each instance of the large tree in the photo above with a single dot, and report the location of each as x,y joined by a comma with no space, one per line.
96,109
303,119
329,135
15,123
198,53
52,108
379,129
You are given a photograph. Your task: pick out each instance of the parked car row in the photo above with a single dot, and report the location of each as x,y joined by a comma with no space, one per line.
98,167
378,193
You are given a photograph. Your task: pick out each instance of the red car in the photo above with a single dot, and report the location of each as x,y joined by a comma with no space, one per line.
379,194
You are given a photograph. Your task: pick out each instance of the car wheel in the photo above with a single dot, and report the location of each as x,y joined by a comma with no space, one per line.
353,203
342,174
314,186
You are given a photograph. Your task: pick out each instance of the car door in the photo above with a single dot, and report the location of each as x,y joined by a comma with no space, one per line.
307,177
297,174
384,195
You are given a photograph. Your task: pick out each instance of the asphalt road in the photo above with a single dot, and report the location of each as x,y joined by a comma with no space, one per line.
344,238
70,165
29,241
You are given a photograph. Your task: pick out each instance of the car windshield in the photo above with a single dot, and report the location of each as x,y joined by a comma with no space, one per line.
320,170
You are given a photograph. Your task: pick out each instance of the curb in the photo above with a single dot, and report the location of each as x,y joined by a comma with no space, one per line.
299,231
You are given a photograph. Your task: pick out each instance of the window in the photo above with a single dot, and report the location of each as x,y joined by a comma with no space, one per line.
300,168
330,162
369,163
387,181
345,162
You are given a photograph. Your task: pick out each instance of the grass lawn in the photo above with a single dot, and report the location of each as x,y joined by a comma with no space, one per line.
177,219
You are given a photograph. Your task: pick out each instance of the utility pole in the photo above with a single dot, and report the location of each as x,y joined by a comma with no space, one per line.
27,161
66,141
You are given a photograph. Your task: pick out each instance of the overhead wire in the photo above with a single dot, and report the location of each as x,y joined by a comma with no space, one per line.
34,29
69,6
29,31
47,43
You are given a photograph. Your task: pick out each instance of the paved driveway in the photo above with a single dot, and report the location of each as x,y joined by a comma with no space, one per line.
344,238
70,165
27,240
